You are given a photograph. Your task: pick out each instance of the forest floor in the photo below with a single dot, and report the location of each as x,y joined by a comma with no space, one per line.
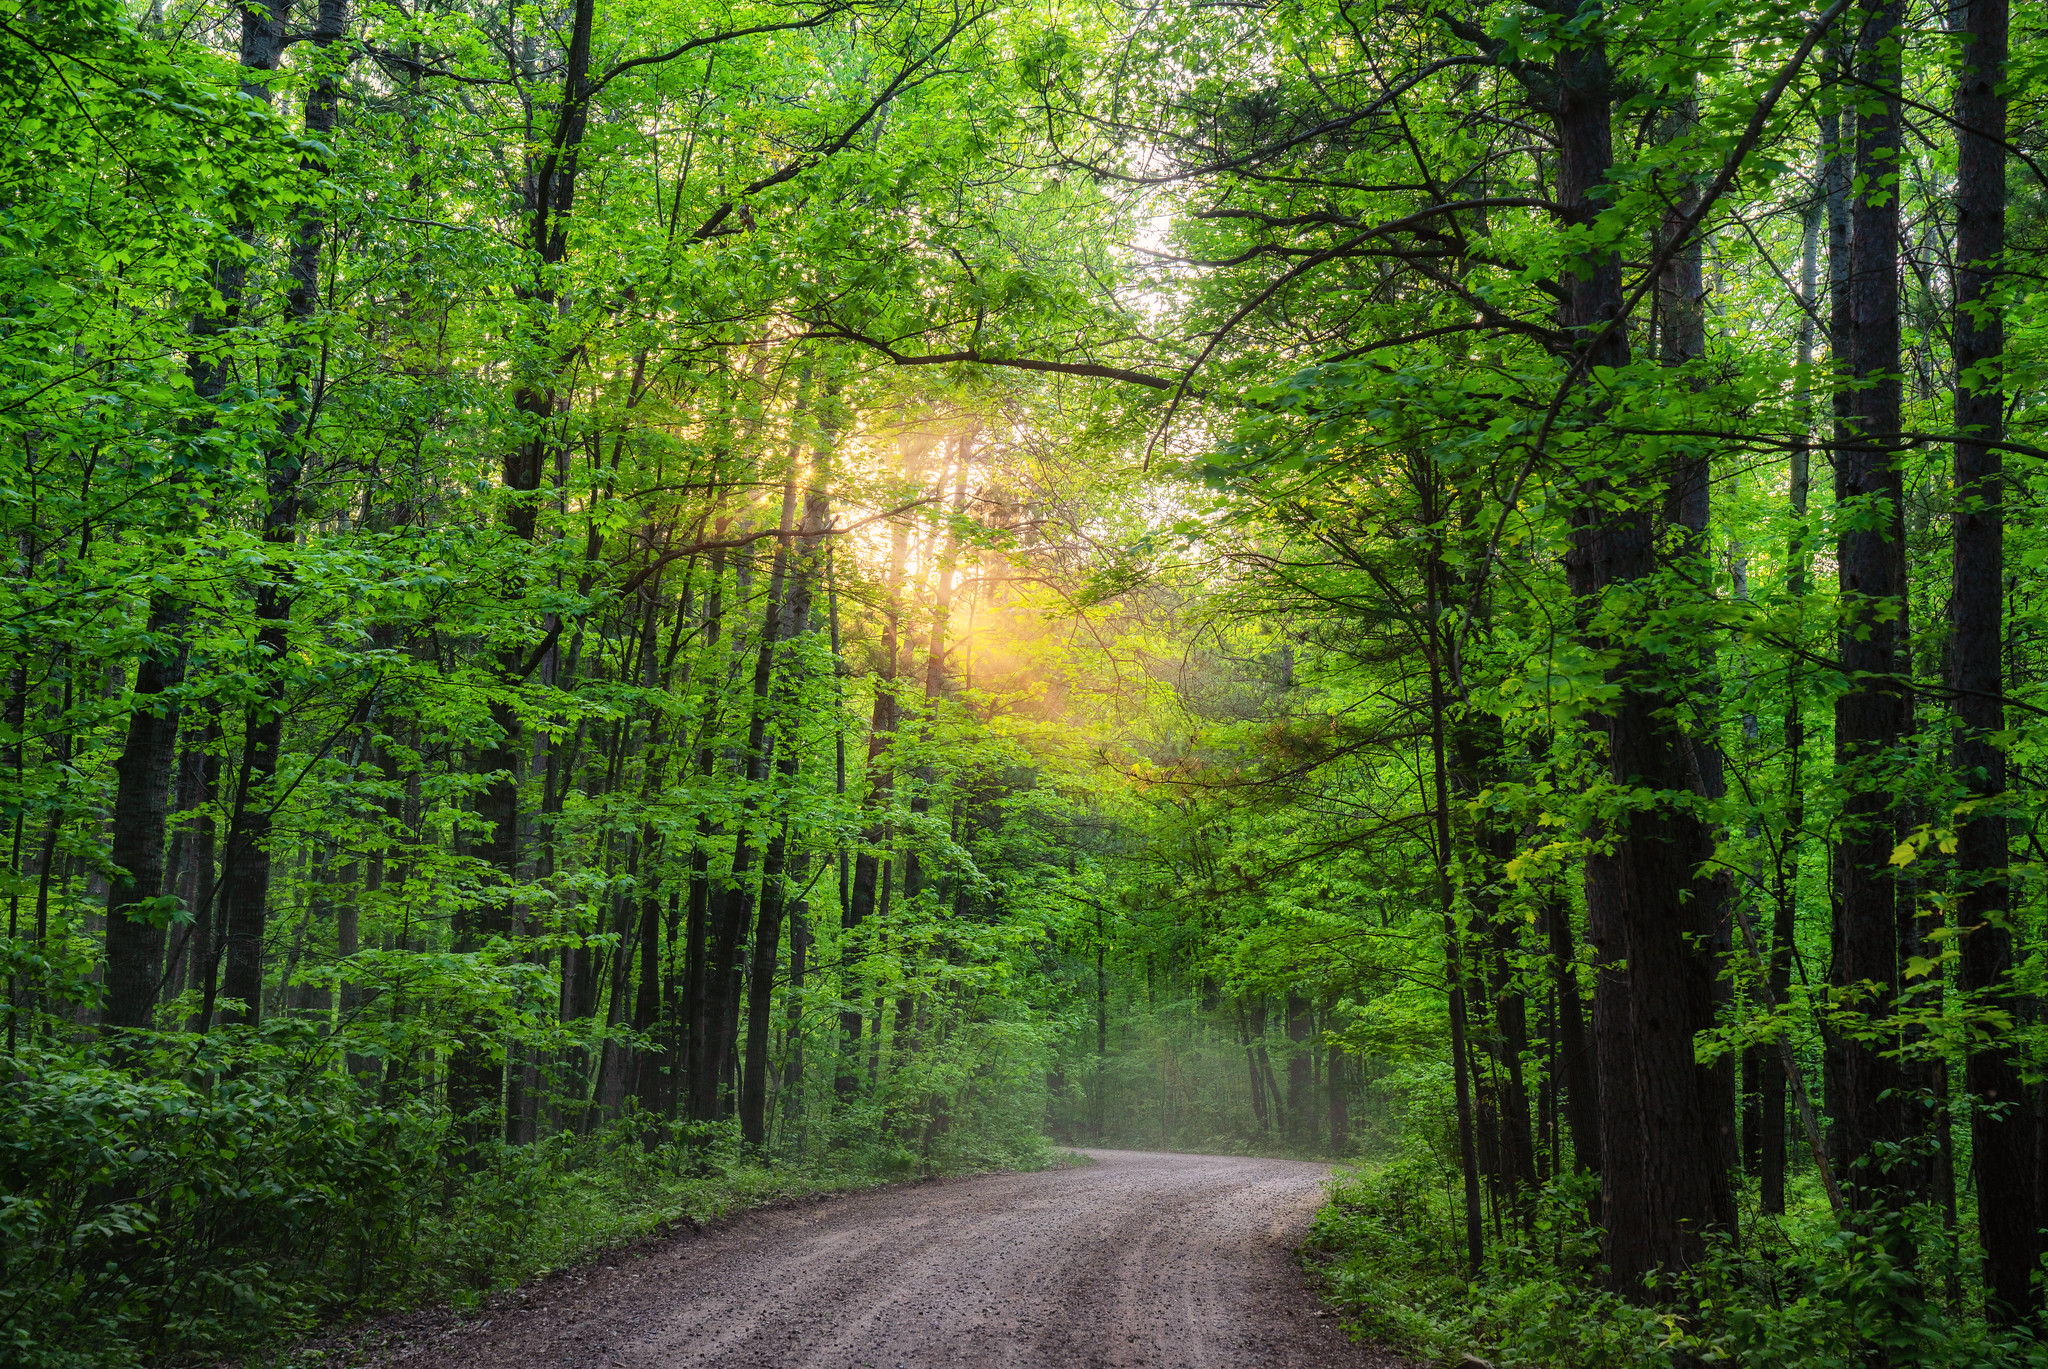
1174,1261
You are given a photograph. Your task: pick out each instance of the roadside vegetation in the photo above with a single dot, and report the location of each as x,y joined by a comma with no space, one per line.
612,611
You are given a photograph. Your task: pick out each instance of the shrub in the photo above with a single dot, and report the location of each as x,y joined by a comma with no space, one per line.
1807,1294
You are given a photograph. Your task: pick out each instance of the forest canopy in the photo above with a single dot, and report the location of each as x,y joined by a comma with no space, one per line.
607,606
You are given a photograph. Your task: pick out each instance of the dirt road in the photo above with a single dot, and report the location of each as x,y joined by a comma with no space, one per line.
1175,1261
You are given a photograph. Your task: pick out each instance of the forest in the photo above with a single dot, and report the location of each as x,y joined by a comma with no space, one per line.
615,608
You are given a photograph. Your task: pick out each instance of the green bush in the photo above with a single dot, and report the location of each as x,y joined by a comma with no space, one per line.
244,1198
143,1217
1803,1295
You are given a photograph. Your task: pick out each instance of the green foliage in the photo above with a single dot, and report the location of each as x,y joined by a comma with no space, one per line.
146,1221
1810,1294
1183,457
148,1218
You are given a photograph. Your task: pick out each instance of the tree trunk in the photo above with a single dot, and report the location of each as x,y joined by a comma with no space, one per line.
1576,1063
796,618
142,796
2001,1132
1873,713
1774,1119
868,863
1300,1106
1340,1115
1657,1165
697,992
1682,341
727,962
245,877
1435,577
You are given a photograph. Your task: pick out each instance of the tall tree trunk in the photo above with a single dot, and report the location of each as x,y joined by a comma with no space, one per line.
142,795
200,880
475,1076
1476,744
348,940
1256,1080
885,716
246,878
1682,342
697,992
1657,1165
796,617
1300,1106
793,1016
2001,1132
1335,1081
1436,580
646,1083
177,882
725,969
1575,1063
1872,714
1775,1119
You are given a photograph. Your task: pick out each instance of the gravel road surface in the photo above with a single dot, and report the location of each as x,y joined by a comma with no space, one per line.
1175,1261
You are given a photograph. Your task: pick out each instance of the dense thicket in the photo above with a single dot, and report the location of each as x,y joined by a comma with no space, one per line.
599,596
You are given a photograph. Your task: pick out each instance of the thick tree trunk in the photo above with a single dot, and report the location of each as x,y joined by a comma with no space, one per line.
1682,341
1873,714
1657,1163
245,876
2001,1132
142,796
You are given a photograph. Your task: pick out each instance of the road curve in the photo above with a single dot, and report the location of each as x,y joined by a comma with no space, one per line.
1173,1261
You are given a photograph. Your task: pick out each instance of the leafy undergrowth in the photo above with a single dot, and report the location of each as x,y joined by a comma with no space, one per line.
179,1221
1801,1294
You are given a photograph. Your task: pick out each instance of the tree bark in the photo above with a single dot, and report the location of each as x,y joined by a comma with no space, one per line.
1682,342
142,796
2001,1131
1773,1118
1873,714
1657,1175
